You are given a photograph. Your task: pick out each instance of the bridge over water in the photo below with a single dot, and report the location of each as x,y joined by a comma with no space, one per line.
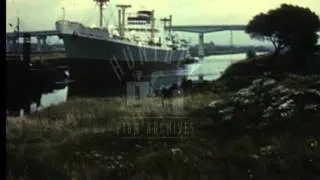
41,36
203,29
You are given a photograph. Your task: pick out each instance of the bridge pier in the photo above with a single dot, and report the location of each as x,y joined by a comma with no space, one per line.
7,45
38,44
44,41
12,44
41,42
231,39
201,45
13,38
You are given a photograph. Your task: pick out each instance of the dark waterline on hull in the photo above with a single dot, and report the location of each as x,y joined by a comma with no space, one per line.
96,77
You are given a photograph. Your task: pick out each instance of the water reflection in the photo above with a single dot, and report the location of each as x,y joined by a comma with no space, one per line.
30,89
57,96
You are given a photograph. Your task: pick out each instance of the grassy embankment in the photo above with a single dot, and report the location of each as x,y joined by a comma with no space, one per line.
231,140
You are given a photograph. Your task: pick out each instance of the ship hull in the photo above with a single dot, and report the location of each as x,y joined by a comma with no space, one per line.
96,77
103,66
80,47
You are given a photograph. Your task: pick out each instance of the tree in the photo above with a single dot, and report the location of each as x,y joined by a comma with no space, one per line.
291,27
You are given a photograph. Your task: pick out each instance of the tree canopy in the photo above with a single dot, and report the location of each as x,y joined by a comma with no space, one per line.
291,27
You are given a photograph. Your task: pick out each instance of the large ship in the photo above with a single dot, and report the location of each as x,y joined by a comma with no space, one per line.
105,43
115,55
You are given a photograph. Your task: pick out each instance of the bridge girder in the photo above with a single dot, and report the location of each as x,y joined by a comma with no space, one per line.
207,28
32,33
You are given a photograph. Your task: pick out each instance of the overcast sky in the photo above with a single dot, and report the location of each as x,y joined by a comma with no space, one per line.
42,14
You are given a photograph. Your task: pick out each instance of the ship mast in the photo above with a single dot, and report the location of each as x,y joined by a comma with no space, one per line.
170,23
165,20
101,3
122,8
152,26
119,23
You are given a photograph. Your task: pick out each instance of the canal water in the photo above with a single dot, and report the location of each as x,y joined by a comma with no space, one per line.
212,66
42,101
209,67
32,89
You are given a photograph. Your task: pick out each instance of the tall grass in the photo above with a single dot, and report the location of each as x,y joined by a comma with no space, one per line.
85,129
79,140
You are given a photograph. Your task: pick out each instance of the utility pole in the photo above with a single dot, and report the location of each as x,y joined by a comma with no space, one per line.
16,44
63,14
18,25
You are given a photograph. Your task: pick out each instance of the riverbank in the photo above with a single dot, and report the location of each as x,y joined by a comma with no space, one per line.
262,127
280,64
